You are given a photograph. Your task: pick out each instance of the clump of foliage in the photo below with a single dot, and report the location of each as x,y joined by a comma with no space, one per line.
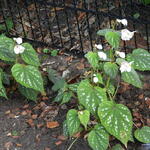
23,67
98,113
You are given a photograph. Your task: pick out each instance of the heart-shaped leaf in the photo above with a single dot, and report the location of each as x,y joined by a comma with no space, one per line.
29,55
2,89
117,120
28,76
7,49
98,138
84,117
66,97
28,93
90,96
143,134
93,59
140,58
132,77
113,38
111,69
73,122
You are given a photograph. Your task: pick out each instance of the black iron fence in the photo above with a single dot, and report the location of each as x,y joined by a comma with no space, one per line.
72,24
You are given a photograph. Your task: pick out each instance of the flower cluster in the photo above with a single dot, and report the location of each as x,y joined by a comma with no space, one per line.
18,49
126,35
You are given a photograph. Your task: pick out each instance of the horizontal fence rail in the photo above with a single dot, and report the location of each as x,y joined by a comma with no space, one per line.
72,24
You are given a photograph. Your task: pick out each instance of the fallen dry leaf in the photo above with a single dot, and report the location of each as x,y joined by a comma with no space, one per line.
7,112
80,66
58,143
24,113
61,137
26,106
52,124
34,116
30,122
18,145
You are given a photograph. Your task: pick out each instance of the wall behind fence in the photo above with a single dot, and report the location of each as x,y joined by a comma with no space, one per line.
72,24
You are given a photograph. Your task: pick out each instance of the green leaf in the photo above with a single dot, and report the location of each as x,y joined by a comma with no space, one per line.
117,120
84,117
143,134
132,77
28,76
73,87
9,24
4,77
60,83
59,96
28,93
52,75
140,58
90,96
66,97
98,138
117,147
93,59
54,52
2,89
29,55
113,38
104,31
111,69
73,122
111,89
7,49
65,129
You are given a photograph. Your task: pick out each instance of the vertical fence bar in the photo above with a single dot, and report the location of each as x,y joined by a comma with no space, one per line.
11,13
49,25
68,25
98,18
147,36
38,17
3,15
76,15
88,26
30,21
18,9
57,21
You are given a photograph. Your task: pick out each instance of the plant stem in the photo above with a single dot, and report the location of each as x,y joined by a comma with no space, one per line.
72,143
116,90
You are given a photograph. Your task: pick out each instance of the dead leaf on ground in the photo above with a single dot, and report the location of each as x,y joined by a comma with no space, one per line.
80,66
26,106
24,113
34,116
18,145
52,124
7,112
30,122
58,143
62,137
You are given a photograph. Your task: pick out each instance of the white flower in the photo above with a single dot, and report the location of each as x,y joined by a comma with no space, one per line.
18,49
121,54
123,21
125,66
18,40
102,55
126,34
99,46
95,79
